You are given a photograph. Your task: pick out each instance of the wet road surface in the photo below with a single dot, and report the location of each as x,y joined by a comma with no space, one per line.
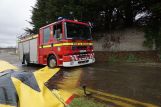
140,82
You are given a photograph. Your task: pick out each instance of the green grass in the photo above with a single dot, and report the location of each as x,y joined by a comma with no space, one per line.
129,58
113,59
85,102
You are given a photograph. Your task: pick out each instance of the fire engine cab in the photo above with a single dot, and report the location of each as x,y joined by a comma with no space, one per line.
65,43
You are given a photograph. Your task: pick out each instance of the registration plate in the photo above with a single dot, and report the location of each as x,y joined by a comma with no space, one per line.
82,51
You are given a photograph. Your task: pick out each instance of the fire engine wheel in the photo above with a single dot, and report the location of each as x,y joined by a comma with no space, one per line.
52,62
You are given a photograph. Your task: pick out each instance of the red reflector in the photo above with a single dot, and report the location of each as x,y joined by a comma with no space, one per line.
70,99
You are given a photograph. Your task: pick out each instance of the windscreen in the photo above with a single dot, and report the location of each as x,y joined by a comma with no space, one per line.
78,31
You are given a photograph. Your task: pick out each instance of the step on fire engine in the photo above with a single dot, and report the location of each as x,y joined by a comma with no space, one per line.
65,43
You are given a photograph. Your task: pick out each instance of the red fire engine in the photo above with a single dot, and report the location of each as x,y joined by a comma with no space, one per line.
65,43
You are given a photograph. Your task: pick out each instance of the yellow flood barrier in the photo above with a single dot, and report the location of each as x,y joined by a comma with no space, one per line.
2,105
30,88
6,66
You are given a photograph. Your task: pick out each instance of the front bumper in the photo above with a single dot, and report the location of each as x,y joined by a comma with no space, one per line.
78,63
78,60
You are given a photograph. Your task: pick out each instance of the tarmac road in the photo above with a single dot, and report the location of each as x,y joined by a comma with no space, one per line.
126,85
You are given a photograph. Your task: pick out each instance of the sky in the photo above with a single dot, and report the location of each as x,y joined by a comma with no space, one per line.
14,15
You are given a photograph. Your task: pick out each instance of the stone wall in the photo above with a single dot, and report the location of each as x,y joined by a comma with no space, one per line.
126,40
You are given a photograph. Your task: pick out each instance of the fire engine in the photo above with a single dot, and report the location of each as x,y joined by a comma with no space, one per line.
66,43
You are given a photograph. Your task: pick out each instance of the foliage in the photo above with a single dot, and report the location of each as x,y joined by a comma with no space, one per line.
153,24
128,58
105,15
113,59
84,102
131,58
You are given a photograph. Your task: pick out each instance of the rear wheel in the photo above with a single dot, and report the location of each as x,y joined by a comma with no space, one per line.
51,62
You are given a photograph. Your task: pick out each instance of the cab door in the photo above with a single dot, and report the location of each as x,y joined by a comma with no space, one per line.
57,37
45,44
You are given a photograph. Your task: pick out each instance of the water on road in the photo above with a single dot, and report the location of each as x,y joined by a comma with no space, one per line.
140,82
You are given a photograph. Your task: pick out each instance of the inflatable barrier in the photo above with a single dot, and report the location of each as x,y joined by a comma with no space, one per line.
27,89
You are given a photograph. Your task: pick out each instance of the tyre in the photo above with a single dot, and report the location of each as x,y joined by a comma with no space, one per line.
51,62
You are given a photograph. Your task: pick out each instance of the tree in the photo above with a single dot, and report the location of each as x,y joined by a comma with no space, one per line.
106,15
153,23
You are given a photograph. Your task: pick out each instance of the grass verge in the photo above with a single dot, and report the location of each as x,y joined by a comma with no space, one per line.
128,58
85,102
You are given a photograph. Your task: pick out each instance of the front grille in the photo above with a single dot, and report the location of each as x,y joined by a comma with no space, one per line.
82,56
79,57
79,47
82,47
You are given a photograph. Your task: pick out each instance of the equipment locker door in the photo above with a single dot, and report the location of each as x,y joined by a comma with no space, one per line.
33,51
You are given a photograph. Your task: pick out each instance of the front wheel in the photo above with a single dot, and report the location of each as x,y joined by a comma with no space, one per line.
51,62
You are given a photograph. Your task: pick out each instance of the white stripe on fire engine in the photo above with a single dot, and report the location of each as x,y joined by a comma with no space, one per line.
28,38
65,44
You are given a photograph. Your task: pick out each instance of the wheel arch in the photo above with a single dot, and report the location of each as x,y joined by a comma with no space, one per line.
52,53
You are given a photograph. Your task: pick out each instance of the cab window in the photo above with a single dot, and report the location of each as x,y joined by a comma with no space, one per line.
46,35
58,31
